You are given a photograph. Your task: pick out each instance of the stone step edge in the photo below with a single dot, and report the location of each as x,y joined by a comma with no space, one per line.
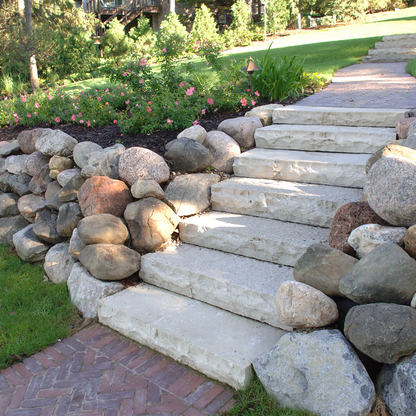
237,373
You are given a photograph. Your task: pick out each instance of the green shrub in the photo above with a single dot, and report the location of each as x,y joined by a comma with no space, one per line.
279,78
171,39
278,15
144,38
242,21
411,68
116,45
204,27
7,85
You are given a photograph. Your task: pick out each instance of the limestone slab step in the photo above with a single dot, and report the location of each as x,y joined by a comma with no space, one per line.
395,44
317,138
215,342
334,116
237,284
260,238
389,58
406,37
392,51
337,169
286,201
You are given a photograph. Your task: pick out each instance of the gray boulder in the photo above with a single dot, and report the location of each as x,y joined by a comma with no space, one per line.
11,148
75,244
318,372
188,155
27,245
27,139
40,181
191,194
110,261
396,148
102,229
151,223
8,204
19,184
2,165
66,175
10,226
52,196
264,113
147,188
16,164
367,237
410,141
301,306
58,263
390,189
69,192
68,218
224,149
30,205
82,152
396,384
197,133
58,164
410,241
383,331
55,142
103,162
4,181
323,267
45,227
35,162
386,274
85,290
241,129
140,163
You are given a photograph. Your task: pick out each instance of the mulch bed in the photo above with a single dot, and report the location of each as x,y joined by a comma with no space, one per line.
109,135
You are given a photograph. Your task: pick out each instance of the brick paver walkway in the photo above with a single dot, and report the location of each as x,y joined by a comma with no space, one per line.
97,372
379,85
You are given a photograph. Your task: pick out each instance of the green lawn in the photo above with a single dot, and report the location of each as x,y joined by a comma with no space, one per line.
33,313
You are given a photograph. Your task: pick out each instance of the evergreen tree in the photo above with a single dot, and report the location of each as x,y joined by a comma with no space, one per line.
204,27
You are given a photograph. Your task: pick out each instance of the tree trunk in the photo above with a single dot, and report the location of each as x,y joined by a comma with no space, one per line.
33,70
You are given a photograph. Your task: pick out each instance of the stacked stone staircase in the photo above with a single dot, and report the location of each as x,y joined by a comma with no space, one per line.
393,48
209,301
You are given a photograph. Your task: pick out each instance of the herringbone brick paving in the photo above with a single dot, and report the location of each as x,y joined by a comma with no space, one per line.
97,372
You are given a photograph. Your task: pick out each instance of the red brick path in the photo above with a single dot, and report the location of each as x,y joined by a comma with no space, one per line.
378,85
97,372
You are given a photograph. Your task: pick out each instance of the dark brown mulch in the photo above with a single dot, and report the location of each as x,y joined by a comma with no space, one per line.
109,135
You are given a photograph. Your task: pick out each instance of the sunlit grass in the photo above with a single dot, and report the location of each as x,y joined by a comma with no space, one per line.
33,313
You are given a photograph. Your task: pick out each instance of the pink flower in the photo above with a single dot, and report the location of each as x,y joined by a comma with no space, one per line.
248,89
37,105
57,120
195,48
257,93
182,84
114,121
81,121
36,113
253,102
210,101
176,103
169,121
107,90
189,91
141,80
195,122
24,99
80,114
214,44
124,74
122,94
98,98
96,90
88,123
50,97
203,111
73,117
148,109
164,50
243,102
16,120
150,103
128,102
198,42
29,115
124,85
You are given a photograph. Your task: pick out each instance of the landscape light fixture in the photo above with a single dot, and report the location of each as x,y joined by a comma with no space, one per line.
250,68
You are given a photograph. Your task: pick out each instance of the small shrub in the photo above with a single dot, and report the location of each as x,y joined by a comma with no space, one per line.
279,78
204,28
241,25
171,38
116,44
278,15
7,85
144,38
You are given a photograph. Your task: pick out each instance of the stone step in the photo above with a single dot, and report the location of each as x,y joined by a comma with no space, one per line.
406,37
388,58
286,201
217,343
318,138
393,44
392,51
334,116
337,169
259,238
234,283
